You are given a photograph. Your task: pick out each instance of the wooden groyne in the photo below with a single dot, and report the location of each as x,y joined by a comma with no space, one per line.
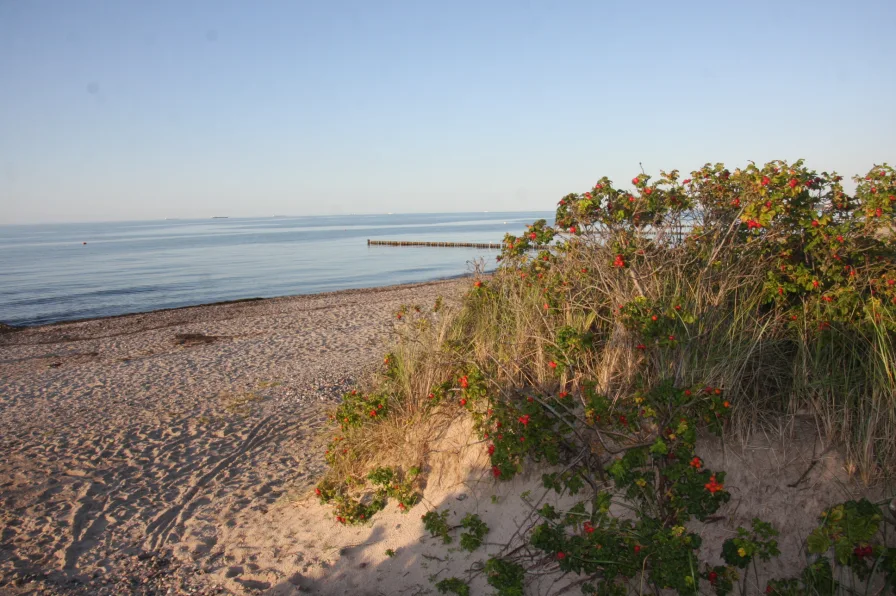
490,245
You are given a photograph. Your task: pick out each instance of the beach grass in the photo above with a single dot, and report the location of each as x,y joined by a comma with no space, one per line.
767,286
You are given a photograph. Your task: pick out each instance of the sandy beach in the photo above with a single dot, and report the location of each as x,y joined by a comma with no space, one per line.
133,444
173,452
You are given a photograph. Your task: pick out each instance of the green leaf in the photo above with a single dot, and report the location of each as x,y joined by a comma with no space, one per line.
659,447
842,550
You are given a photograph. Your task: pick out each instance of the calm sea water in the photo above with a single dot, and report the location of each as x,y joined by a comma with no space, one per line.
48,275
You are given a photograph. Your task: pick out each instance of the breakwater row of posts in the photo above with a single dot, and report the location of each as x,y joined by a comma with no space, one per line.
489,245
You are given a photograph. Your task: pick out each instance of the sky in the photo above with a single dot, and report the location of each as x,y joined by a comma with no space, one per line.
125,110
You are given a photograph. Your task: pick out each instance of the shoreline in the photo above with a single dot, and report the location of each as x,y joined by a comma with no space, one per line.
12,328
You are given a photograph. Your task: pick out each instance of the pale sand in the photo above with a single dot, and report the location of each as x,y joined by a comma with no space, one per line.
204,455
297,547
118,438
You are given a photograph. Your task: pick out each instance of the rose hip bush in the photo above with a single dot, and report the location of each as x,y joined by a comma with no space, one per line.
388,483
848,545
780,258
649,313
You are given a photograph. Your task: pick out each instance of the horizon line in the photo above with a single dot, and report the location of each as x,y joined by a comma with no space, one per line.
277,216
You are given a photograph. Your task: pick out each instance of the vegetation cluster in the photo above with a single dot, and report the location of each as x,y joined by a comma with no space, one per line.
719,302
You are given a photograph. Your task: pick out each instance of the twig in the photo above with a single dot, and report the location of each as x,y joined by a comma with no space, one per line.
811,465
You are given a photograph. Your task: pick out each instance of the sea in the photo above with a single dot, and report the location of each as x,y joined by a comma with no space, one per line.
64,272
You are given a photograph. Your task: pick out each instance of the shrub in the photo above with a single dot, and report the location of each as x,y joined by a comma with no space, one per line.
505,576
476,529
648,312
389,485
453,585
437,525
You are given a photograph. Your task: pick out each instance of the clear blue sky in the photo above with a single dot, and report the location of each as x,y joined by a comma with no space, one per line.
138,110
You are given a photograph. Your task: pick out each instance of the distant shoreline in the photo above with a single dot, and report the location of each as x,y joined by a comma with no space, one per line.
10,328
